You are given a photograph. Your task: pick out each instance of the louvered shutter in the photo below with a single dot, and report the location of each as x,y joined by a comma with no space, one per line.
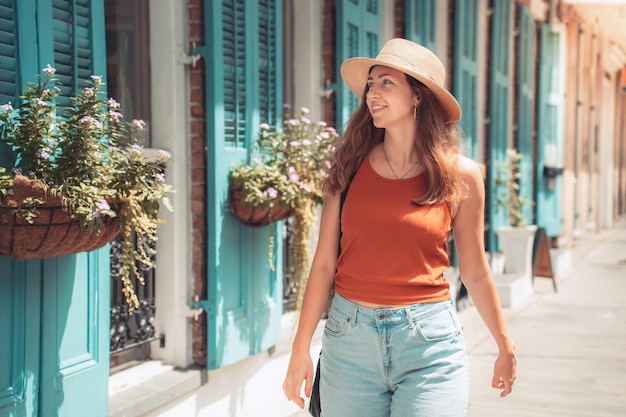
550,128
466,69
72,46
499,91
8,53
358,34
243,79
54,359
421,22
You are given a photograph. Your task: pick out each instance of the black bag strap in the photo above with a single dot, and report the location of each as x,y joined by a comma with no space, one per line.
342,200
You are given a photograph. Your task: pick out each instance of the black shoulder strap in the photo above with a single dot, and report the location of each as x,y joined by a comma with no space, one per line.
342,199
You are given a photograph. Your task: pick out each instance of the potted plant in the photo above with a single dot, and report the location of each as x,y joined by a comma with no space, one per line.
517,238
282,180
79,178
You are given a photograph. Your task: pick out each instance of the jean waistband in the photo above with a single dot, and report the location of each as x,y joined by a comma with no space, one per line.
411,313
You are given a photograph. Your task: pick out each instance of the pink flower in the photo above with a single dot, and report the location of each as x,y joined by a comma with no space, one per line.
305,187
293,175
103,205
272,192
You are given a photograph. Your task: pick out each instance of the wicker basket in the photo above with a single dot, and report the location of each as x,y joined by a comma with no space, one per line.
253,215
53,232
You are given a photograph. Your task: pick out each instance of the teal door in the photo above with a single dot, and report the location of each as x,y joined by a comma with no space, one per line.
54,313
243,73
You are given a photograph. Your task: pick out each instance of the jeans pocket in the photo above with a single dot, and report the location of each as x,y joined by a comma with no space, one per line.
336,324
438,327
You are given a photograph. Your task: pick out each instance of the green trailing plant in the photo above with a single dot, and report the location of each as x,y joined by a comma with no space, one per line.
507,193
89,156
290,161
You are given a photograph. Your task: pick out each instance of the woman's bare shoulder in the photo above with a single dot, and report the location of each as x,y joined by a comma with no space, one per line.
469,169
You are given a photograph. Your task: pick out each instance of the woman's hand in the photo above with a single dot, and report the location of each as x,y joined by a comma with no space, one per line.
300,370
504,372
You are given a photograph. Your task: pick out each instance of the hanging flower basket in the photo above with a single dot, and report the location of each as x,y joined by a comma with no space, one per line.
52,232
255,216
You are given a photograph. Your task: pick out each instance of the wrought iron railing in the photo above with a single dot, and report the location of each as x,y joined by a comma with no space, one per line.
136,329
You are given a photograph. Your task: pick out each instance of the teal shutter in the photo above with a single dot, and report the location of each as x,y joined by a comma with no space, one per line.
8,52
358,34
243,73
421,22
76,315
73,54
466,69
56,360
75,333
20,323
550,137
526,106
499,90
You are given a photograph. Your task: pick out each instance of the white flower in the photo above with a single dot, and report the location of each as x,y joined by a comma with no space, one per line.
140,124
164,155
113,104
264,126
43,153
49,70
8,108
304,110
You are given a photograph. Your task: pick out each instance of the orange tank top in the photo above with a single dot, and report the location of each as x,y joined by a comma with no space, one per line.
393,251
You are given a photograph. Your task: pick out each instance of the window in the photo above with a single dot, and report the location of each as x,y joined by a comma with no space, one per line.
128,81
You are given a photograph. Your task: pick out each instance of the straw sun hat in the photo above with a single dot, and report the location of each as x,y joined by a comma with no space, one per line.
409,58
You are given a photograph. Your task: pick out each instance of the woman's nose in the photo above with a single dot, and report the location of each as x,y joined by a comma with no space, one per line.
372,92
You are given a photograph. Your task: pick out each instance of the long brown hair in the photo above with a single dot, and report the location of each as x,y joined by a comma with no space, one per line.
436,143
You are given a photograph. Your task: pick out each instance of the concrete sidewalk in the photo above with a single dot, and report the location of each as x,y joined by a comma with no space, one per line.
571,345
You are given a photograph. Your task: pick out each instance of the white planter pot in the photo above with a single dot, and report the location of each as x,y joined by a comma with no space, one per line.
516,284
517,246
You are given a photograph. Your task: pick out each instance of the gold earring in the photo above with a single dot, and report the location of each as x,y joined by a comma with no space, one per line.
415,112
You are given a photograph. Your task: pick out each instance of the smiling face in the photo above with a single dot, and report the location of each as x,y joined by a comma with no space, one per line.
389,97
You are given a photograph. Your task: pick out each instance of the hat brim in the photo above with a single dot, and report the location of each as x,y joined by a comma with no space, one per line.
355,72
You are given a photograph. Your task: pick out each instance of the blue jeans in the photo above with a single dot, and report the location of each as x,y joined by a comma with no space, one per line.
398,362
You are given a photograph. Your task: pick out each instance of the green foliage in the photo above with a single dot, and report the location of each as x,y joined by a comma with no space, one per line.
507,188
90,157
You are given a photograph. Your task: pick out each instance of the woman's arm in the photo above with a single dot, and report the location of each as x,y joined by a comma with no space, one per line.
319,285
468,228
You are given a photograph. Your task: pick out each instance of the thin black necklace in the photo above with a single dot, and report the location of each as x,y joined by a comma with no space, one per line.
394,172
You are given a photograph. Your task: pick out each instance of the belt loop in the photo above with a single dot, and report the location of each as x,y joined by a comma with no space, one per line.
409,317
354,311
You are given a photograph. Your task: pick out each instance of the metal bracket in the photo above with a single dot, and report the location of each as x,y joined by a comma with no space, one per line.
194,55
196,308
329,89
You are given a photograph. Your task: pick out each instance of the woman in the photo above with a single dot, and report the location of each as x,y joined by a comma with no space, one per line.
393,345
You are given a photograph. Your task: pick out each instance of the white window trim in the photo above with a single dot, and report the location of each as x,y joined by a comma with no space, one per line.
170,131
